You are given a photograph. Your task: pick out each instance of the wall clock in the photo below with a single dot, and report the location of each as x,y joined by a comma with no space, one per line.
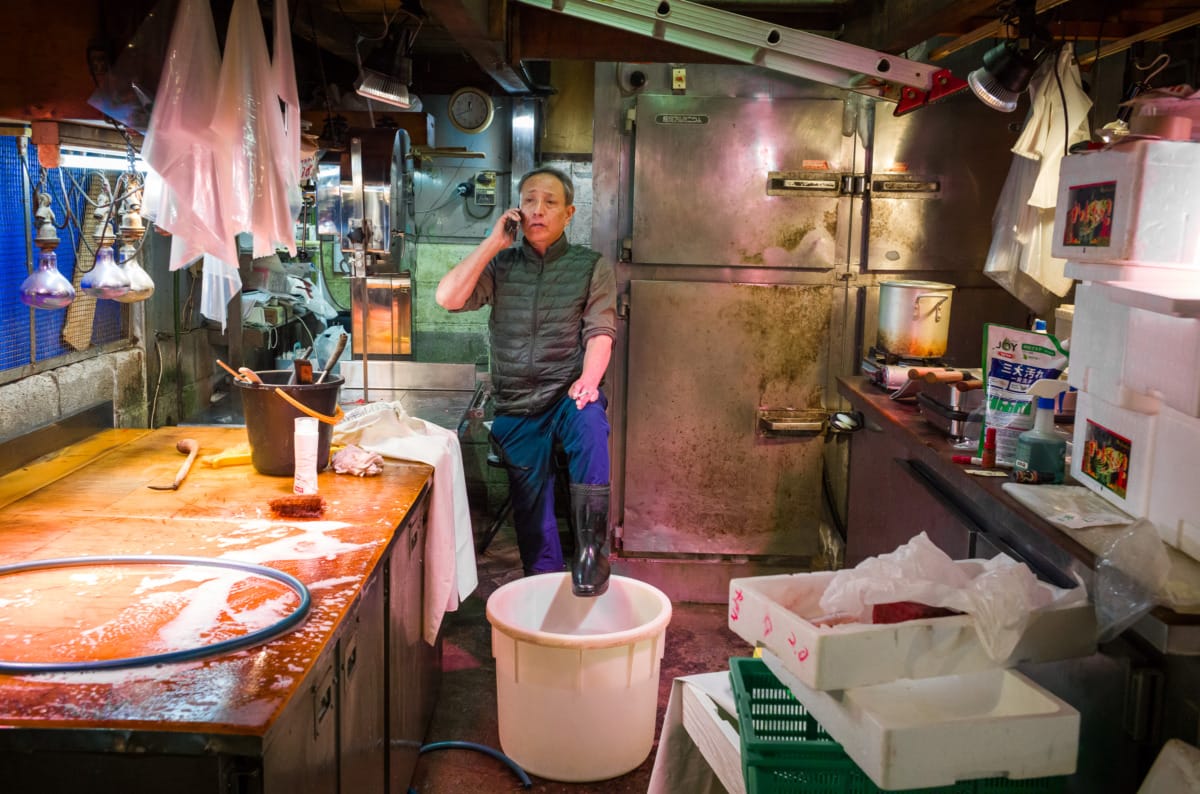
471,110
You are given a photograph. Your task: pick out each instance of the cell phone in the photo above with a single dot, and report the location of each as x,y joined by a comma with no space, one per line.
511,227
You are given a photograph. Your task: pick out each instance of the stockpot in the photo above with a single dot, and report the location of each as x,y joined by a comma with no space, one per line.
914,318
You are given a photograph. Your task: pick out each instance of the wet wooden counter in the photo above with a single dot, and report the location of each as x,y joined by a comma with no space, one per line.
339,703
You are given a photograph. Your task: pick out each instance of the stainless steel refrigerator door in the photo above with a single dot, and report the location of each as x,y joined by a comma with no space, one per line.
931,193
704,360
738,182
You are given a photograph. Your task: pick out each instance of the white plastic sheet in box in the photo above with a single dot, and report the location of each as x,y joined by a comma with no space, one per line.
1131,204
931,732
775,611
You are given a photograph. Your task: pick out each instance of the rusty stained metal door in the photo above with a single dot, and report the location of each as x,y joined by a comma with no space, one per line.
704,358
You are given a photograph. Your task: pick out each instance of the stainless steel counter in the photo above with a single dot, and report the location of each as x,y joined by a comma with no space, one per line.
979,504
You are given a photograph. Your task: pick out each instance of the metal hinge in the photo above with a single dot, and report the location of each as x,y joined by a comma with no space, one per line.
853,185
623,305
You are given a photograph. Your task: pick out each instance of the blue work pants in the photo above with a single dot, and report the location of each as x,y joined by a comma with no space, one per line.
526,447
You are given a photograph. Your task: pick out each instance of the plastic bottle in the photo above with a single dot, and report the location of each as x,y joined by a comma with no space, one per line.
304,442
988,458
1041,453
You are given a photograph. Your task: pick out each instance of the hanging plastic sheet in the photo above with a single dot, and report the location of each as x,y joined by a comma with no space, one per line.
180,145
220,281
283,70
248,120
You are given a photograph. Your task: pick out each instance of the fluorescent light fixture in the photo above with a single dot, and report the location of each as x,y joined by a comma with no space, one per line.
98,160
383,88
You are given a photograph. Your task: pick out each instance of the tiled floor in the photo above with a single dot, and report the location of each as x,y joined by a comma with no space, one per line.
697,641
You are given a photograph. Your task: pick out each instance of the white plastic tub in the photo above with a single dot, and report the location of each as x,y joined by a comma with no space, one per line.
577,678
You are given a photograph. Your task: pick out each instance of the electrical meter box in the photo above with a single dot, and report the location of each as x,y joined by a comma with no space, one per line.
485,189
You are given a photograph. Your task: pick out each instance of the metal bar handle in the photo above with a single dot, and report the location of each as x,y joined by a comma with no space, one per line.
937,307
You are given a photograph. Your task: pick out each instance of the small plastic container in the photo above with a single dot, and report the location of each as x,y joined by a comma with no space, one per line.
304,444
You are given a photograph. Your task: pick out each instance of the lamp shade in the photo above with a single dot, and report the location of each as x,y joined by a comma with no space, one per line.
1004,76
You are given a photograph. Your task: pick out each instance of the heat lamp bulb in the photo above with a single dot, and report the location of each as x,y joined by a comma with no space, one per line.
105,280
46,288
141,286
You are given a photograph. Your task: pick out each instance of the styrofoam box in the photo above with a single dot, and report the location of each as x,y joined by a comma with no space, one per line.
1098,341
1174,498
1162,358
1146,190
936,731
774,612
1112,452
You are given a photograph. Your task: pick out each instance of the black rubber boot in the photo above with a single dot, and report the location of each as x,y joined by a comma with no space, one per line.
589,564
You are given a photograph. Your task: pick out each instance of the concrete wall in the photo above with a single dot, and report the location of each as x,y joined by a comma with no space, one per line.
44,398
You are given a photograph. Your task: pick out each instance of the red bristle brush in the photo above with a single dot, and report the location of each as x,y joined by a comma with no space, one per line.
298,506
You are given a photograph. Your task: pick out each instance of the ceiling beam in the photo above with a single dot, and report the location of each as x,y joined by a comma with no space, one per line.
898,25
481,33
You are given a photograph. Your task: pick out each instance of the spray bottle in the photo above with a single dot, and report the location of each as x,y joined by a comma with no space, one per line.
1041,453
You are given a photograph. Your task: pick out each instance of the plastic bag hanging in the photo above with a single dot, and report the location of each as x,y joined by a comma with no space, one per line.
249,122
283,70
180,144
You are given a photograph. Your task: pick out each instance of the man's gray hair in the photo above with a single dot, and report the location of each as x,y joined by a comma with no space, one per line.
568,186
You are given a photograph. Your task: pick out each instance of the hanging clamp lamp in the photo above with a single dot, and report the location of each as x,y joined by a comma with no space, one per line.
1008,67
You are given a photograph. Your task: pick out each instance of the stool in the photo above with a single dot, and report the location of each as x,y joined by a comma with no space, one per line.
562,488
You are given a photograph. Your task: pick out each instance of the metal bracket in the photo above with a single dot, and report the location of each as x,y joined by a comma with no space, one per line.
782,49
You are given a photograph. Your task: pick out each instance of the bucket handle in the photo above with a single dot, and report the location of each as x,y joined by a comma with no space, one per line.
337,417
937,307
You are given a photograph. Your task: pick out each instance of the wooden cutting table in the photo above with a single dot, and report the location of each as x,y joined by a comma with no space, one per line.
339,703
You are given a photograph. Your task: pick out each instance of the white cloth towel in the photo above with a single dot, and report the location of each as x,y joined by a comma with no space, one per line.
450,573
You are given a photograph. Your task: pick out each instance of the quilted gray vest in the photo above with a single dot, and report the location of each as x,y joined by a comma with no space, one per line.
536,326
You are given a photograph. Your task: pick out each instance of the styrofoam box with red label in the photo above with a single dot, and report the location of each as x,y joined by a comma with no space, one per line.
932,732
1113,452
775,612
1131,204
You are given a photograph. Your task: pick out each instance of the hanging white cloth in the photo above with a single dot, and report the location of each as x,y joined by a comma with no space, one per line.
1020,257
1051,125
450,572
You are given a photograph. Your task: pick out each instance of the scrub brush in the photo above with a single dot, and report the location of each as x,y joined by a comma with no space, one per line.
298,506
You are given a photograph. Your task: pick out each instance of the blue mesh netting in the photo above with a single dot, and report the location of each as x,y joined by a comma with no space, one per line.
107,321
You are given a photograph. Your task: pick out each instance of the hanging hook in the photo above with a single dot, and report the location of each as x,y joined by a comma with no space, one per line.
1158,64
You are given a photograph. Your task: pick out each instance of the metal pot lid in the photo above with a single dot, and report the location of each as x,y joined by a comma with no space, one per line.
917,284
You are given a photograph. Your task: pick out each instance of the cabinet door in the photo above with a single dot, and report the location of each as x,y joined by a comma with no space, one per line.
890,501
409,695
362,671
301,748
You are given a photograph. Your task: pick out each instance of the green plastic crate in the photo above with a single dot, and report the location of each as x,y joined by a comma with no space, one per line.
786,751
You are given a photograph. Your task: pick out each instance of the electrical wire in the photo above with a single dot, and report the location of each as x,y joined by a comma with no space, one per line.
256,637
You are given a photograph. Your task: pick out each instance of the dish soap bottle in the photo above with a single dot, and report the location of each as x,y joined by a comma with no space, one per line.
1041,453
